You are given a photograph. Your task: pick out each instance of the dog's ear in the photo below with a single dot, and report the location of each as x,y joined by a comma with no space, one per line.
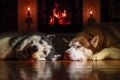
50,37
95,41
65,40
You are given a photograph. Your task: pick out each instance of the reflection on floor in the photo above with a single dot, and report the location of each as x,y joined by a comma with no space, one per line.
60,70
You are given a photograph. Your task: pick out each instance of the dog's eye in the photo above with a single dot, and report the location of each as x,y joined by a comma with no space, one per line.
40,42
78,46
30,42
45,51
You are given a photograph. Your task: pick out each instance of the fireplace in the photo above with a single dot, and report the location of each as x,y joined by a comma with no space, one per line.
60,15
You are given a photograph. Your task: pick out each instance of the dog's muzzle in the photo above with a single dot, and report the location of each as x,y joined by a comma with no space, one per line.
73,54
30,51
34,48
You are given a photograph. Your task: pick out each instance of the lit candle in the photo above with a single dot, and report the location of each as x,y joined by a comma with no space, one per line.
91,13
28,8
28,11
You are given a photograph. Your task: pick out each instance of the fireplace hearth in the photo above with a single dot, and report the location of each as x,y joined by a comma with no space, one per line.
60,15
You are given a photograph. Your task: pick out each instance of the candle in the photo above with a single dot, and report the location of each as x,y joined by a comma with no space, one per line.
29,19
28,14
91,13
28,8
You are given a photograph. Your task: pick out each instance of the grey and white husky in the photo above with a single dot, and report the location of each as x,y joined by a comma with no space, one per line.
27,46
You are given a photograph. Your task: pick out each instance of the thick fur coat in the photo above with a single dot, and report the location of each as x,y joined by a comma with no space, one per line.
97,42
28,46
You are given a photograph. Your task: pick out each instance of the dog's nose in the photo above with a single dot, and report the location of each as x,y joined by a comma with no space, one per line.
34,48
30,50
67,56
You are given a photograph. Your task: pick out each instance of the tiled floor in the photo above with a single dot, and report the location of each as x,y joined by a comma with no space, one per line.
60,70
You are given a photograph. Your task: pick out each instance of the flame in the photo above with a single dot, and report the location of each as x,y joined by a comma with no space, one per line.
28,8
61,16
56,14
64,13
51,20
91,12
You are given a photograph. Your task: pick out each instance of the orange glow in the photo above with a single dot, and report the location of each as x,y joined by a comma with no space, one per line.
64,13
61,16
51,20
57,15
91,12
28,8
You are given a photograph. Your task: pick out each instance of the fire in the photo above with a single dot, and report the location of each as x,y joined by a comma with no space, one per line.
51,20
28,8
64,13
59,16
91,12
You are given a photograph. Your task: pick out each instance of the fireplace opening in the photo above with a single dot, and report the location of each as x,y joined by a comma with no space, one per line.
60,15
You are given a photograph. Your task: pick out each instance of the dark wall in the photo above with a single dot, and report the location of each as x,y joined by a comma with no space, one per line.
8,15
110,10
104,11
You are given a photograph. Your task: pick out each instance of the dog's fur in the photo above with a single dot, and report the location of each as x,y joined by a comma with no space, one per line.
19,46
96,42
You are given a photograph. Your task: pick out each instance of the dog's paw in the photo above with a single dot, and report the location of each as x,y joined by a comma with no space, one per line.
105,53
98,56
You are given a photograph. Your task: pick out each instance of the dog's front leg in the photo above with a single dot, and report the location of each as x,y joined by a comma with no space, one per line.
112,53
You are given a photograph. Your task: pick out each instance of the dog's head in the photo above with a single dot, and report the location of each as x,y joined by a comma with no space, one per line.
35,47
81,47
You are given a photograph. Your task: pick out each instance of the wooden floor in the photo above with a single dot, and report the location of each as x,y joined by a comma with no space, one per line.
60,70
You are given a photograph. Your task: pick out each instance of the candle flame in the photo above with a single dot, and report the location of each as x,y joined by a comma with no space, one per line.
91,12
28,8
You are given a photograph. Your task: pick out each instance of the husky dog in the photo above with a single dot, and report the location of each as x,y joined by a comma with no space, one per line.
28,46
96,42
